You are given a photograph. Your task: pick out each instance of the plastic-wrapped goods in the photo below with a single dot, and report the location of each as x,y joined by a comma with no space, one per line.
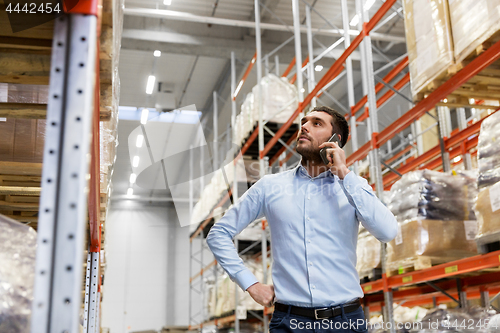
368,253
473,22
428,40
488,151
434,195
420,243
17,273
457,320
280,99
487,210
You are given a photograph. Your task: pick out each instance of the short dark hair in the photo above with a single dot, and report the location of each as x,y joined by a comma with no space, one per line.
339,123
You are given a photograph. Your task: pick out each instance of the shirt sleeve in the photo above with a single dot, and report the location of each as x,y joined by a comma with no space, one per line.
246,210
370,211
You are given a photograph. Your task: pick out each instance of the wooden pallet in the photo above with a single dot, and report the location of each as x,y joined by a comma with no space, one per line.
25,58
485,85
488,243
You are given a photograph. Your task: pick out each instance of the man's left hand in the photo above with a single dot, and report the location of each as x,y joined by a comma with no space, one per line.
336,156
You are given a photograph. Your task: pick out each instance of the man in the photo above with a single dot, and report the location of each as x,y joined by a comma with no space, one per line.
313,212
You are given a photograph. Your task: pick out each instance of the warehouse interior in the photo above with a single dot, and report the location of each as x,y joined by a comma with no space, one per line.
128,128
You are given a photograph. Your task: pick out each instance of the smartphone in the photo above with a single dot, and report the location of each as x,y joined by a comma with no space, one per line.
322,152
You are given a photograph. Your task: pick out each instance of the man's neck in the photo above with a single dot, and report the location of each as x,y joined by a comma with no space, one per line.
314,168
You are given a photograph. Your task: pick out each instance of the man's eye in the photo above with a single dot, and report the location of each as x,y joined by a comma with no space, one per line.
317,123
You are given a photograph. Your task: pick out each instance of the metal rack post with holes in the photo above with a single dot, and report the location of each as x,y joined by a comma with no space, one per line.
72,124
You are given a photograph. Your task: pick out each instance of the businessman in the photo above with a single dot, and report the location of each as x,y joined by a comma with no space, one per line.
313,212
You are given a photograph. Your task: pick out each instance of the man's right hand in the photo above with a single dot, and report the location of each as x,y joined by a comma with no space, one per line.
262,293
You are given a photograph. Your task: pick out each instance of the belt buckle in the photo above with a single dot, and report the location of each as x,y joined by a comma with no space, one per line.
316,313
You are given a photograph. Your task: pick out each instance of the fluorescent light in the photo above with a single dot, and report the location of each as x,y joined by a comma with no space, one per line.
135,162
355,20
167,2
157,53
457,159
140,140
133,177
445,100
238,88
302,90
318,68
130,191
144,116
150,85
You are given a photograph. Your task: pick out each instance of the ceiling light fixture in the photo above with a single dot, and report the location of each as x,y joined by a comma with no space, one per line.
150,85
167,2
135,162
144,116
130,191
140,140
157,53
318,68
133,177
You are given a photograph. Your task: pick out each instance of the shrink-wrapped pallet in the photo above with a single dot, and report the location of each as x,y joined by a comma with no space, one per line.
487,210
473,22
279,99
488,151
434,195
421,243
428,40
368,253
17,273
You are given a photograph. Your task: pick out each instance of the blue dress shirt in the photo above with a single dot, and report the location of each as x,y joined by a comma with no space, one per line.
314,232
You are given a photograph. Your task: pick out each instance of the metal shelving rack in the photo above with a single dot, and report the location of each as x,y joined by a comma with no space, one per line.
70,183
452,144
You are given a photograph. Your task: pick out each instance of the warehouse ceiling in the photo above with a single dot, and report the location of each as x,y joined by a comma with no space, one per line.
195,57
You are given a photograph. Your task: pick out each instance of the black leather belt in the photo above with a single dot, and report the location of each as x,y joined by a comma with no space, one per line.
323,313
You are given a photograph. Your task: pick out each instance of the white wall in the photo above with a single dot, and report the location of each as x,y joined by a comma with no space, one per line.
146,282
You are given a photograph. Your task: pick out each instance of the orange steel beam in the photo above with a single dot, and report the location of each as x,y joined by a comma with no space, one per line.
426,159
243,79
304,63
388,78
283,148
213,263
94,196
462,266
330,74
204,223
385,97
472,69
289,68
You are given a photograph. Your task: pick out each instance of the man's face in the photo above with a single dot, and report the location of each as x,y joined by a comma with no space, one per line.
316,128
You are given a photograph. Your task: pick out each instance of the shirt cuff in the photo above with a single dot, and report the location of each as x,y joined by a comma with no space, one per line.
245,279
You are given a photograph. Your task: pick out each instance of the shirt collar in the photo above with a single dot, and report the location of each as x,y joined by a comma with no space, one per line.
301,171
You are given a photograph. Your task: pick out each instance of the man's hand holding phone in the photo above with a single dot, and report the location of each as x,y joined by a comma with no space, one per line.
335,157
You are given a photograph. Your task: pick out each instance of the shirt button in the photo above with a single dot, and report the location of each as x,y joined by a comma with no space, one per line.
313,286
308,219
309,241
310,264
308,198
348,187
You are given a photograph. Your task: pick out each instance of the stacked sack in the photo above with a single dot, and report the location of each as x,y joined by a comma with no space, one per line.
436,221
487,206
279,102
